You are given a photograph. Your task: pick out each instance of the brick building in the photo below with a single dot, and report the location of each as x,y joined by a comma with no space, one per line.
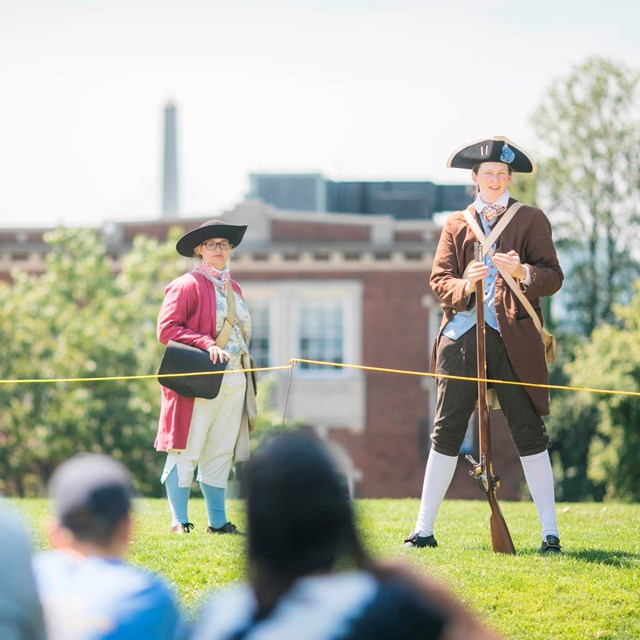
341,288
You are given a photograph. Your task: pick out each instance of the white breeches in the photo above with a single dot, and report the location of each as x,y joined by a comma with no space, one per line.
212,436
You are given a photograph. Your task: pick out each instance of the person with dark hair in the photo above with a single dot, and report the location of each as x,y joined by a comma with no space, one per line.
309,575
87,590
20,610
205,309
519,265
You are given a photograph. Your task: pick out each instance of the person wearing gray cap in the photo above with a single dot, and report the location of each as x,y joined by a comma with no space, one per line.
518,266
205,309
20,610
87,590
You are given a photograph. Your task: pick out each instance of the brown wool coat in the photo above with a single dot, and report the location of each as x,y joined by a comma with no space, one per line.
529,234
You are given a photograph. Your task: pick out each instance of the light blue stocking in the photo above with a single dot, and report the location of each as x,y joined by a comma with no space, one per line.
178,497
214,499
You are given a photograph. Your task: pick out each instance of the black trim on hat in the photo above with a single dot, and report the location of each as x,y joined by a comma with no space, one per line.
210,229
494,149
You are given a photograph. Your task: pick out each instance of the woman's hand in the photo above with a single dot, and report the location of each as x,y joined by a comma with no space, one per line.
510,262
218,354
475,271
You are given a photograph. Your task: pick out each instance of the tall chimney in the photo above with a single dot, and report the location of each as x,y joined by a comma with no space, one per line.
170,164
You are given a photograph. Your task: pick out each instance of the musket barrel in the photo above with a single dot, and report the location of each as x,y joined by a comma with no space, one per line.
500,538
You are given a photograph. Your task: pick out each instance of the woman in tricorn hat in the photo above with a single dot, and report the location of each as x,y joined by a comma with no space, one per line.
200,432
515,352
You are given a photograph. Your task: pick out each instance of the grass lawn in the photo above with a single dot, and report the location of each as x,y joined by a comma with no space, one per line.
591,591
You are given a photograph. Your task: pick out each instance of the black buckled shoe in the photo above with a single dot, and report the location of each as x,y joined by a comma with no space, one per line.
551,544
227,527
182,527
414,540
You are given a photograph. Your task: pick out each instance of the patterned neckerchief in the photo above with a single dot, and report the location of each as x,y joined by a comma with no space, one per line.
492,211
218,276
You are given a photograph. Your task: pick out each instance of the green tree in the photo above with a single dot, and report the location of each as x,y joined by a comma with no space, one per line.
524,187
81,320
572,426
589,126
611,360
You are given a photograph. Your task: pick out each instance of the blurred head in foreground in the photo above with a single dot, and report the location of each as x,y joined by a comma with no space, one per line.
92,499
300,519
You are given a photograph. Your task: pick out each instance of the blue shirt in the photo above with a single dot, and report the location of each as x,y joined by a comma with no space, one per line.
95,598
465,320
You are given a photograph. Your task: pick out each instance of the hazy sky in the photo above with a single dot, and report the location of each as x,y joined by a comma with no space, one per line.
354,89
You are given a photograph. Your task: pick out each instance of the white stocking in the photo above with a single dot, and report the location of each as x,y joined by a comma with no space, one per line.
437,478
539,477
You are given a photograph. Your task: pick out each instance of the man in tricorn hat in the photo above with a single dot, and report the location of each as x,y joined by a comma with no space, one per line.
524,254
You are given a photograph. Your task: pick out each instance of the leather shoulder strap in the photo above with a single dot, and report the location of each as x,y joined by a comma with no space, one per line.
503,221
469,216
487,243
225,333
510,280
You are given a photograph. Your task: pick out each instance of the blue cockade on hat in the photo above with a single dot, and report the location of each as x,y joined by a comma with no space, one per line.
507,154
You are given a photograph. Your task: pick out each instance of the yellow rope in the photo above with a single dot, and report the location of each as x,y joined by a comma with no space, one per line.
152,376
448,377
294,361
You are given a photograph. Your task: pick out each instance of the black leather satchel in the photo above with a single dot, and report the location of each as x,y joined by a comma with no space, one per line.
180,359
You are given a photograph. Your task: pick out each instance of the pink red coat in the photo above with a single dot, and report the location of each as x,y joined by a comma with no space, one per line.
529,234
188,315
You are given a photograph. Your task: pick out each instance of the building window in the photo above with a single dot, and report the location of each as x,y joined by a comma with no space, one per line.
311,320
308,320
260,327
320,332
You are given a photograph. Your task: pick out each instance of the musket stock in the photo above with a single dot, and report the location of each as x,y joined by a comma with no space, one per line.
483,471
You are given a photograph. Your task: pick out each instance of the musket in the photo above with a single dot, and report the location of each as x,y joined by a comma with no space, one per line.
483,471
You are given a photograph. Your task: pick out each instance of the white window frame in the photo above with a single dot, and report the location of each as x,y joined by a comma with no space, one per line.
284,299
270,310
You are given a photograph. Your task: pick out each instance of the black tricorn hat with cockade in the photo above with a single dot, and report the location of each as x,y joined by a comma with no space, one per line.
210,229
494,149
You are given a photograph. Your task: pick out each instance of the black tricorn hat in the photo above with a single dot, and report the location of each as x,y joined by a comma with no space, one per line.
210,229
494,149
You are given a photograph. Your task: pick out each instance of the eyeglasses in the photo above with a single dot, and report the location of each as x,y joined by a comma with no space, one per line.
212,246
